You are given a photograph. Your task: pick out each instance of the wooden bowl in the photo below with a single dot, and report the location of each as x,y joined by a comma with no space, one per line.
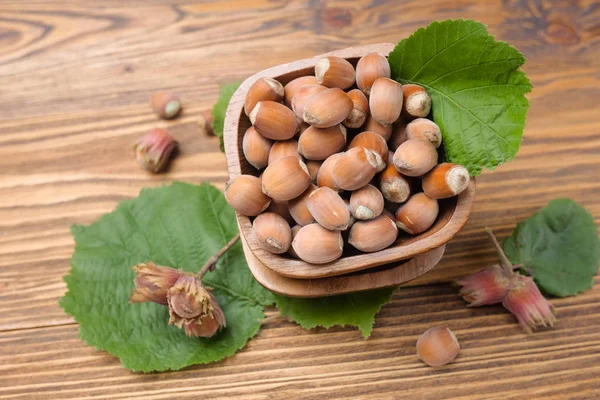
454,212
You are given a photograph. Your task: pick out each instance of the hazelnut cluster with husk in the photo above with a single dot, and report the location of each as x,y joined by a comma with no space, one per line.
346,150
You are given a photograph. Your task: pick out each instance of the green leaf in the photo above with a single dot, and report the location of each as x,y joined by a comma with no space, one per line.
180,226
476,89
558,246
357,309
226,90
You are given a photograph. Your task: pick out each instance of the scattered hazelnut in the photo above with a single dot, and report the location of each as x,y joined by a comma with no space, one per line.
437,346
154,149
334,72
446,180
272,233
244,194
264,89
370,68
165,104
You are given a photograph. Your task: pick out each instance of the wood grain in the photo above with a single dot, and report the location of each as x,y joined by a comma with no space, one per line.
76,77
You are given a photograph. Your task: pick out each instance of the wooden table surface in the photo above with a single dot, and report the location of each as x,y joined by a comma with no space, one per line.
75,77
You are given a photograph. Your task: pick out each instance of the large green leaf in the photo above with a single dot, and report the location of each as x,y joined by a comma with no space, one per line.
476,89
356,309
180,226
226,91
559,246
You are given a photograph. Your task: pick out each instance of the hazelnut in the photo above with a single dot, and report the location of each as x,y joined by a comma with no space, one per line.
264,89
417,214
334,72
320,143
327,108
274,120
317,245
292,87
366,203
416,101
165,104
446,180
394,186
359,113
313,167
385,101
298,207
272,233
256,148
422,128
295,229
373,235
369,68
374,142
415,157
282,149
325,175
328,209
281,208
302,96
285,179
437,346
373,126
244,194
355,168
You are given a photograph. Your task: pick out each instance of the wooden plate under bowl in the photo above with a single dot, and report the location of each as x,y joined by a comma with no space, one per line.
454,212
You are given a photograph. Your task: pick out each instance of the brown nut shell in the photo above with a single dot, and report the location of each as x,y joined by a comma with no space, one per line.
446,180
244,194
285,179
417,214
373,126
313,167
385,101
256,148
282,149
328,209
416,102
292,87
366,203
320,143
370,68
301,98
415,157
355,168
298,207
295,229
437,346
264,89
422,128
274,120
373,142
325,175
165,104
272,233
373,235
359,113
317,245
327,108
395,187
334,72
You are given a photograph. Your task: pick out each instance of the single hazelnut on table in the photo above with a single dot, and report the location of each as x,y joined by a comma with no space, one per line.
292,87
370,68
256,148
320,143
328,209
165,104
446,180
325,175
437,346
373,126
313,167
273,120
285,179
334,72
398,135
373,235
264,89
298,207
282,149
244,194
415,157
301,98
317,245
394,186
374,142
355,168
366,203
359,113
327,108
272,233
423,128
417,102
417,214
281,208
295,229
385,101
154,149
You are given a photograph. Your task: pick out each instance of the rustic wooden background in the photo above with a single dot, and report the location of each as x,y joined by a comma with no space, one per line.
75,77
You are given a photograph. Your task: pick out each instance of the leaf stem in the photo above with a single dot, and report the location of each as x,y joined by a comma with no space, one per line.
506,264
209,265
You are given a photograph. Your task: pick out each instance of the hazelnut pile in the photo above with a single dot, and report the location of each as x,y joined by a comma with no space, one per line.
340,158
